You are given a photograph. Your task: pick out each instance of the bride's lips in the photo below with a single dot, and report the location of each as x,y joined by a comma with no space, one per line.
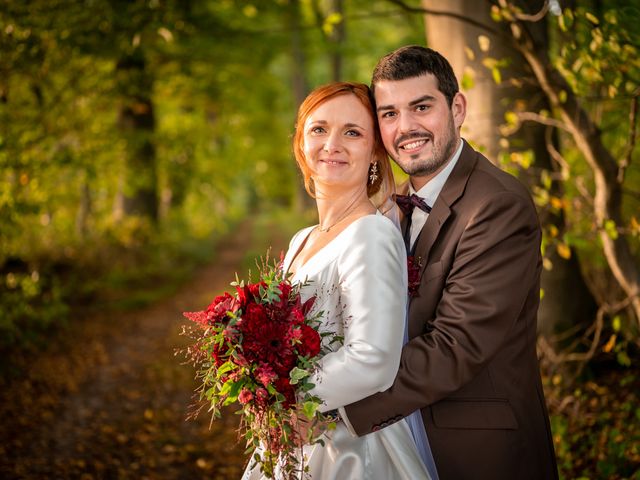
332,161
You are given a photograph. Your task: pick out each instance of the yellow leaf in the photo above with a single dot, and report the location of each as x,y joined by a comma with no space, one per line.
470,54
616,323
556,202
592,18
250,11
484,42
497,76
496,15
610,344
564,251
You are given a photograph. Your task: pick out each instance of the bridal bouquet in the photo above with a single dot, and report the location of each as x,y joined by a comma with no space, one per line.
256,348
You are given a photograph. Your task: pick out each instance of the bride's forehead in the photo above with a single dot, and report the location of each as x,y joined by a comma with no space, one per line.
341,109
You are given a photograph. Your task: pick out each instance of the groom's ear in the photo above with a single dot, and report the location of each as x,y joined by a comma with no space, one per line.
459,109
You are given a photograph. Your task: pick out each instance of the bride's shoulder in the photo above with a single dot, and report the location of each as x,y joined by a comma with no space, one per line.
300,235
376,226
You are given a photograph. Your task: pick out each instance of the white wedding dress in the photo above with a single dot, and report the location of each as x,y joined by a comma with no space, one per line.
360,281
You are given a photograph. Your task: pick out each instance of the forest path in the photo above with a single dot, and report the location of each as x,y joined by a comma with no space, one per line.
113,405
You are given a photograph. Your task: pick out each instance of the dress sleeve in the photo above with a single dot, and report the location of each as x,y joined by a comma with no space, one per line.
372,285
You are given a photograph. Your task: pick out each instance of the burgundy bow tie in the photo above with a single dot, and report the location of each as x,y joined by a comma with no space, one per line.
408,202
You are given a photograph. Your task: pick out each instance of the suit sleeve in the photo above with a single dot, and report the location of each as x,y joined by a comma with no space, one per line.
495,267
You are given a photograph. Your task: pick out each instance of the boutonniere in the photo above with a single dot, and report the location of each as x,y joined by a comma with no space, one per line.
413,270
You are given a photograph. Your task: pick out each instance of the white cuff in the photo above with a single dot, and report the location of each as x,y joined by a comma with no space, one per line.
343,417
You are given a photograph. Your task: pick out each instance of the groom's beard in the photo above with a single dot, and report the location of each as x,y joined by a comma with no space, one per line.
427,163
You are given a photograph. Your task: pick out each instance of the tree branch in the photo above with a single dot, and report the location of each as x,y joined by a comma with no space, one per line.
607,205
457,16
525,17
536,117
633,130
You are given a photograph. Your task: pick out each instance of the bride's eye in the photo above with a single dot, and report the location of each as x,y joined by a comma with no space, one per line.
353,133
317,130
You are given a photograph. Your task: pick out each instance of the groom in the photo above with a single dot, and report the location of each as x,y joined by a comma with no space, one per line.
470,364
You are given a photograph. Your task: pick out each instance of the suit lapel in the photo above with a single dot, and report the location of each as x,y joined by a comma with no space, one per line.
451,192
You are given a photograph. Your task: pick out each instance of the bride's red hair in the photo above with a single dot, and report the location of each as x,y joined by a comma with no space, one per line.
384,187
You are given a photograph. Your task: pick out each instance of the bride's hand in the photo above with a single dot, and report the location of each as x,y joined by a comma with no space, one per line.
305,430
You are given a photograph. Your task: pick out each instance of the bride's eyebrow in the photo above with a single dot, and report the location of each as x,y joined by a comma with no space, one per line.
352,125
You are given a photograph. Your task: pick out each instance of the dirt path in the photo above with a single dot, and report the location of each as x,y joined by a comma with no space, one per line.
125,415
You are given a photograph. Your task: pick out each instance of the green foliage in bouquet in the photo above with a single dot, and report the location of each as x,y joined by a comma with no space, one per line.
258,348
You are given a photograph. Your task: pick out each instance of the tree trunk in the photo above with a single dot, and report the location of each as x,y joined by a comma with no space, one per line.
84,209
337,40
567,299
607,205
300,89
137,123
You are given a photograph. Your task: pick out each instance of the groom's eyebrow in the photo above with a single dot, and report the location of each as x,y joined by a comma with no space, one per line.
424,98
412,103
384,107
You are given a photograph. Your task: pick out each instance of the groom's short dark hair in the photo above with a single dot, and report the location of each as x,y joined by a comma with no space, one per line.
413,61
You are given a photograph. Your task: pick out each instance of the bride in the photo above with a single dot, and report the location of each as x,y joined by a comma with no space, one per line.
354,261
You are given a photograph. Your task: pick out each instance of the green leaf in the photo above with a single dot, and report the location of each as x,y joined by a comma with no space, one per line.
562,96
467,82
297,374
623,359
611,229
225,367
616,323
309,409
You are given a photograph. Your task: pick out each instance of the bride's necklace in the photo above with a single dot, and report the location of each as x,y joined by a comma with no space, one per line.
344,215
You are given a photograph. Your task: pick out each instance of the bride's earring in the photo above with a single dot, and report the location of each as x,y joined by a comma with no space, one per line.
373,172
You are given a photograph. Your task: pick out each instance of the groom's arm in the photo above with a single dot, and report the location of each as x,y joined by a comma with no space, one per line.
495,271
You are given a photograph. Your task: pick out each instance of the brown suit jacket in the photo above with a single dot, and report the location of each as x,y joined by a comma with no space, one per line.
471,363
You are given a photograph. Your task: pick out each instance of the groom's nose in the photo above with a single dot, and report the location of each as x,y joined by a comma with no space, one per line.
406,123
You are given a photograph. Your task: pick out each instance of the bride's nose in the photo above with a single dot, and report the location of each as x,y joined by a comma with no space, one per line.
332,144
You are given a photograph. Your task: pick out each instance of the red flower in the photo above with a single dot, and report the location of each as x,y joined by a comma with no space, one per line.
265,374
284,387
413,271
245,396
310,342
249,293
266,341
262,396
220,354
285,291
296,316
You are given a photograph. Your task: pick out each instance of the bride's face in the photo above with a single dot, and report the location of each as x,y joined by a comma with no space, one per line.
338,142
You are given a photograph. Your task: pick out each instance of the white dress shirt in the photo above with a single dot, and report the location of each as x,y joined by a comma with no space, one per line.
430,193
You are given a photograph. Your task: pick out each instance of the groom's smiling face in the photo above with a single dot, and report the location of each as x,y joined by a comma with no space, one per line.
418,127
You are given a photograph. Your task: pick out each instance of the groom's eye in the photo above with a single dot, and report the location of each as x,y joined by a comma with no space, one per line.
388,114
422,108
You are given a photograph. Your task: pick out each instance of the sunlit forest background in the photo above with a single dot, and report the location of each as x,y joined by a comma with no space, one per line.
145,150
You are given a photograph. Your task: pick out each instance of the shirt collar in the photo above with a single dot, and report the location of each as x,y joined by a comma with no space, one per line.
433,187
